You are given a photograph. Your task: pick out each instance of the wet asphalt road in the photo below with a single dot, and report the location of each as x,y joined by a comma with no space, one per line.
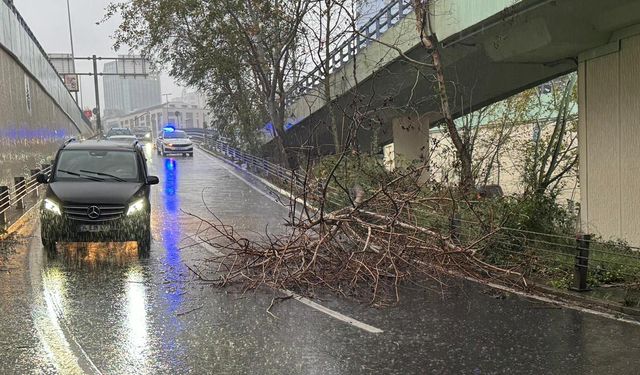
99,309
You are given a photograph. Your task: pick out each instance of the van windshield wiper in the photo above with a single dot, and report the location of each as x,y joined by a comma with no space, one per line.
80,175
120,179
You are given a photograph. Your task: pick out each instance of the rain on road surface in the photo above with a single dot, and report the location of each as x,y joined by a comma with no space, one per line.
99,309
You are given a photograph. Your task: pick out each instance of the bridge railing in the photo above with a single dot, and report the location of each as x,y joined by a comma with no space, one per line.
387,17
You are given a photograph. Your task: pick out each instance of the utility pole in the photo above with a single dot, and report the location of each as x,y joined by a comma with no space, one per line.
95,84
178,115
165,116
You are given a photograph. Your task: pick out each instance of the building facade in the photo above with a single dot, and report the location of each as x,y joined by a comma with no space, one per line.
192,98
179,114
123,95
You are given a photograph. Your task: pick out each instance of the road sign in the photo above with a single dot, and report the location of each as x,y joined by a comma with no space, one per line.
88,113
132,65
71,82
63,62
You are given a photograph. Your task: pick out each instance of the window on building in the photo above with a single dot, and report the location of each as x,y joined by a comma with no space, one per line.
535,136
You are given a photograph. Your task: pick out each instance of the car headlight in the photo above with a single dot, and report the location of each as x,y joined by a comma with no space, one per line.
168,144
135,207
52,206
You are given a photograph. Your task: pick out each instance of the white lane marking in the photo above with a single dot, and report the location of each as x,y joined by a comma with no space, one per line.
333,314
560,303
236,175
543,298
299,298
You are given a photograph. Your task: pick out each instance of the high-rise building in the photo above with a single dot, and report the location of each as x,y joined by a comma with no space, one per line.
126,94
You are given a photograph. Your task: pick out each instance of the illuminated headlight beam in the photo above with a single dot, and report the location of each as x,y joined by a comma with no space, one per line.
135,207
52,206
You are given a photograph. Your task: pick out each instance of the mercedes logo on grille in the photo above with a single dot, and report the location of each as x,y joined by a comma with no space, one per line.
93,212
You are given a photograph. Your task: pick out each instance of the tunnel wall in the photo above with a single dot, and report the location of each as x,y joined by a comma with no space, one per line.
36,110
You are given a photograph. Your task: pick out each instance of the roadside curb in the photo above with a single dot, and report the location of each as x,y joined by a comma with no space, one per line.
589,302
20,221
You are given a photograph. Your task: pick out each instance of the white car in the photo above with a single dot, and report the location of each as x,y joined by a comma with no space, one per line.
172,141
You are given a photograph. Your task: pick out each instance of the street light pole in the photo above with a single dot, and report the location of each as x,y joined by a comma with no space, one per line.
95,83
135,118
165,115
73,55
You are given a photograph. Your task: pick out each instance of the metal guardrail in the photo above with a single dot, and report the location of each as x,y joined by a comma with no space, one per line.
257,164
199,134
387,17
13,197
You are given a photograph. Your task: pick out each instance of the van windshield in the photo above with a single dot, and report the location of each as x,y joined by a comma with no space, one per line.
97,165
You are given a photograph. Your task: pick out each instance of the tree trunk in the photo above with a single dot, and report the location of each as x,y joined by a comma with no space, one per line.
327,79
462,150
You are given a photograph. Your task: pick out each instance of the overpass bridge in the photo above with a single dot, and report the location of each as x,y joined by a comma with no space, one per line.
491,50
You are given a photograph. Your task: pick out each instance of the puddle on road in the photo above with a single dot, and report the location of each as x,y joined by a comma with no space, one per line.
76,255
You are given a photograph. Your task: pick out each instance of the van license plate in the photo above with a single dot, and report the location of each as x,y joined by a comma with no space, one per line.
94,228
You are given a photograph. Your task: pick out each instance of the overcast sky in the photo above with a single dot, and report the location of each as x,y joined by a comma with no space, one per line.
48,21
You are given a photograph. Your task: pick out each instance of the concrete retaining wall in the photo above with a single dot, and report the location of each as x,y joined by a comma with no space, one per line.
36,111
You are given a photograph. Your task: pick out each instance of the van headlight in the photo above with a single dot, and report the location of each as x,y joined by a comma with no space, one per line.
135,207
52,206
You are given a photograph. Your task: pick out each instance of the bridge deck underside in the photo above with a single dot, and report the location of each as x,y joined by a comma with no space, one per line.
483,65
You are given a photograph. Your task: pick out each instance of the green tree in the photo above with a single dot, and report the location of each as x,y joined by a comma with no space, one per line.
553,154
239,51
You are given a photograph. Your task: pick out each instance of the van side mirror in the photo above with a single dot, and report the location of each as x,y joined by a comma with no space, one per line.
42,178
153,180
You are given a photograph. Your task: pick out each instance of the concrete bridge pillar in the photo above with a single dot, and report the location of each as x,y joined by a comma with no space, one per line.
609,138
410,141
